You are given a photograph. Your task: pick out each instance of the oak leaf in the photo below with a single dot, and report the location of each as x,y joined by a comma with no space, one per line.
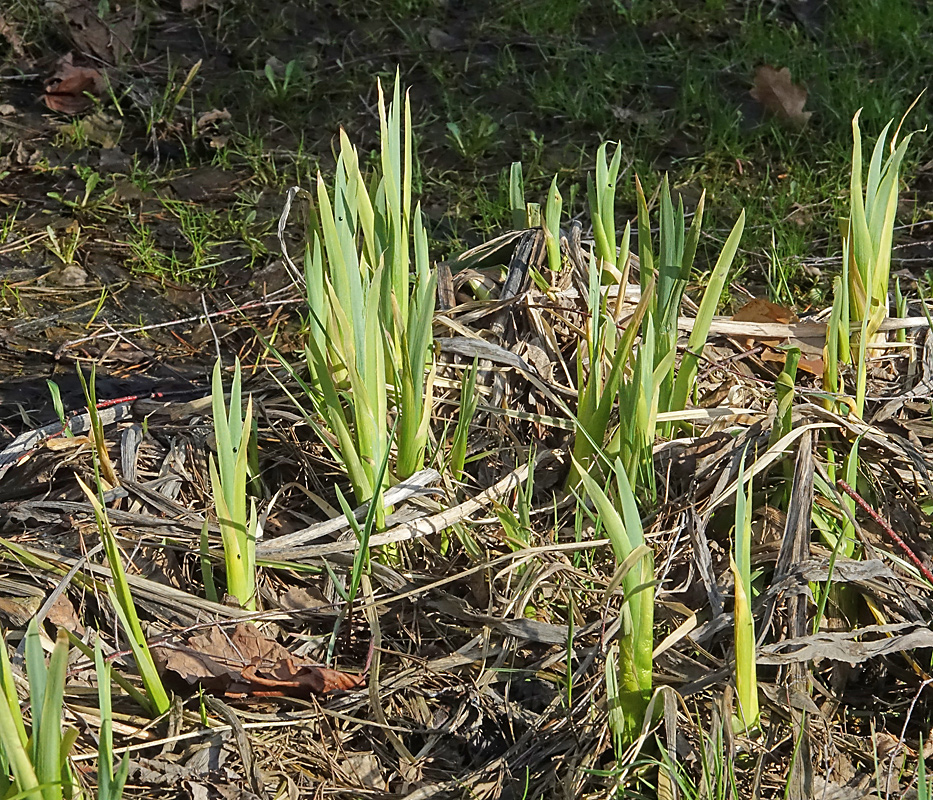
243,663
780,96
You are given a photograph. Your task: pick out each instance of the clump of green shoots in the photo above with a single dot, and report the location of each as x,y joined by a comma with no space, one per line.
633,371
644,379
35,765
628,668
369,336
860,301
870,233
232,433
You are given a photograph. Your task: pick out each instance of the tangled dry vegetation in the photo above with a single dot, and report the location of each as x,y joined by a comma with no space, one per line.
482,625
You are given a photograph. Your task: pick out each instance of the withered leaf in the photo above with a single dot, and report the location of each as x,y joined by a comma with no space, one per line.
242,662
109,39
812,366
859,788
852,647
213,117
187,6
758,309
13,38
780,96
15,612
67,91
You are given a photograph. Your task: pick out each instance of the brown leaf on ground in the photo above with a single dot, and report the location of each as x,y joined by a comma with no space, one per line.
8,31
15,612
760,310
812,366
62,614
67,91
68,276
859,788
108,39
189,6
213,117
366,769
243,663
780,96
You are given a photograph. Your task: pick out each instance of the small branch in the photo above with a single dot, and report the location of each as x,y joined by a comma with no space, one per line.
887,528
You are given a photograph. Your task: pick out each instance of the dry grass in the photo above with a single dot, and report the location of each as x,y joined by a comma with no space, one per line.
484,651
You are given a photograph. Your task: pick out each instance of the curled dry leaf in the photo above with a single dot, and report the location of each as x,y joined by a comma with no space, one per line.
244,663
780,96
67,91
193,6
213,117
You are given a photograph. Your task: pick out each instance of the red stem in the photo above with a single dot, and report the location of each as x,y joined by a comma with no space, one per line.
886,528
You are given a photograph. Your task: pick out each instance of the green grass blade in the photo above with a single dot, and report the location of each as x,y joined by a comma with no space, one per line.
607,189
48,732
9,696
636,641
13,734
746,680
122,599
38,676
155,691
645,251
692,240
923,788
686,375
469,400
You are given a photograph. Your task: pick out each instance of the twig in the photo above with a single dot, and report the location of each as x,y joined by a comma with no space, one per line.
207,319
886,528
184,321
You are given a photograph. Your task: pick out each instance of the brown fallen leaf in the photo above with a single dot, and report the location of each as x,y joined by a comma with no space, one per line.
859,788
15,612
62,614
108,38
758,310
67,91
188,6
13,38
213,117
243,663
68,276
812,366
780,96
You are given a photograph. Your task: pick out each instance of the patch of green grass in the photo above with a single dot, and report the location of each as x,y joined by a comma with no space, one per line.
545,18
544,82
